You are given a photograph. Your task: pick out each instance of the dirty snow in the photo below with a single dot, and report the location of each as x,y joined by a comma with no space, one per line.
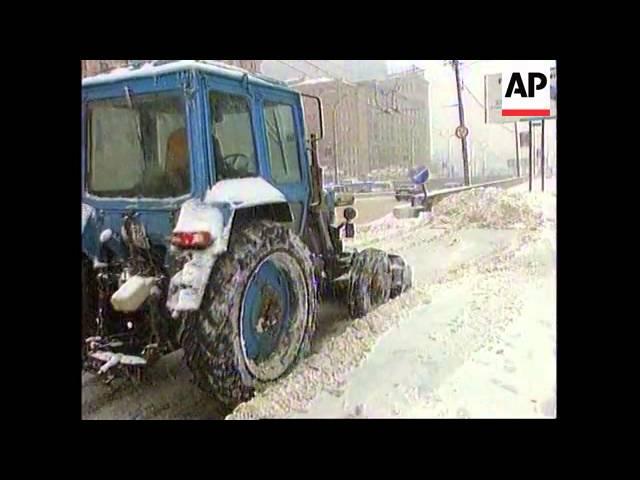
458,341
457,348
489,207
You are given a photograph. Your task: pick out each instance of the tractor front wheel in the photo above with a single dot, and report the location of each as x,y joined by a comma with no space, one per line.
370,282
401,275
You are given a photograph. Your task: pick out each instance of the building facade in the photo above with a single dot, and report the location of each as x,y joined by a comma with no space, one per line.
94,67
399,124
375,129
345,126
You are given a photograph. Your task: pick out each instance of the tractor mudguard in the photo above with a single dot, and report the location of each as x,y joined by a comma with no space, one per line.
214,215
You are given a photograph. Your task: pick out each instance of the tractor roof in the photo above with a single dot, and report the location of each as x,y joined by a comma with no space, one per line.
159,67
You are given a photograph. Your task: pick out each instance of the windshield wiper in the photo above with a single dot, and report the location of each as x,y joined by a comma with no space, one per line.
127,93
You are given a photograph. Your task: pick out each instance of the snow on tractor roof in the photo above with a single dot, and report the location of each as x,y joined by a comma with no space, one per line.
159,67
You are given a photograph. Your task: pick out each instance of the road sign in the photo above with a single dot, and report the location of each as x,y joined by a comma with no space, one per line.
462,131
493,99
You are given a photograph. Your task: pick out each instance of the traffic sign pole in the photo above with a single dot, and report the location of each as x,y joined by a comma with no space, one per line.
465,159
517,151
530,155
542,158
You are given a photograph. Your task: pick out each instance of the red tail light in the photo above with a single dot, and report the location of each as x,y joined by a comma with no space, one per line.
197,240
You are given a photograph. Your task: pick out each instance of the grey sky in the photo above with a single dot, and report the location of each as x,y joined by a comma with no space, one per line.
444,114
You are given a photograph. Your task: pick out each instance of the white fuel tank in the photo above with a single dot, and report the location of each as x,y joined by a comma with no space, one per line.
132,293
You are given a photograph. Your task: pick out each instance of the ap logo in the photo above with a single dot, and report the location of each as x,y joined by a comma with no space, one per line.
526,90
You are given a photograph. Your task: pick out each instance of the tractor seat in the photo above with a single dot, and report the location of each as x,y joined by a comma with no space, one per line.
177,160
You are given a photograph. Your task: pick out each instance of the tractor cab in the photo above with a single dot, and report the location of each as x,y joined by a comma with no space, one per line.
158,134
205,227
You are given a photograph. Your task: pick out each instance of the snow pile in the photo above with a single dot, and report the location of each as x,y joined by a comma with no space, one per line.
389,227
328,369
385,224
489,208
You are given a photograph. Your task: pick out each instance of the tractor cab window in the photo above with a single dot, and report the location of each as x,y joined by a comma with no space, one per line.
282,143
137,146
233,145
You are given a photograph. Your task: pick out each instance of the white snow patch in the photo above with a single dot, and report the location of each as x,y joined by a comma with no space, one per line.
244,192
489,208
313,81
196,216
149,69
87,212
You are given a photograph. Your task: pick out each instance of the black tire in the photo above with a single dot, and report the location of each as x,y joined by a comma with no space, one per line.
211,338
401,275
369,282
89,302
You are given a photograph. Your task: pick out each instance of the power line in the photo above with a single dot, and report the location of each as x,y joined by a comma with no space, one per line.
373,90
293,67
483,107
332,75
473,96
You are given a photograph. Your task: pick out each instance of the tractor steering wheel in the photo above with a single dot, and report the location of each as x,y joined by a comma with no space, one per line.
231,159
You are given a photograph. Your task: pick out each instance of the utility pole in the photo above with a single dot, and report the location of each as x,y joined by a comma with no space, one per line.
542,158
530,155
515,124
465,159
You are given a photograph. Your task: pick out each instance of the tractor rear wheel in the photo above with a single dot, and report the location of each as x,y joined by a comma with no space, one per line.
369,282
257,316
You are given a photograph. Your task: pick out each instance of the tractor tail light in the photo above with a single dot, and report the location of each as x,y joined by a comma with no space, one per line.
196,240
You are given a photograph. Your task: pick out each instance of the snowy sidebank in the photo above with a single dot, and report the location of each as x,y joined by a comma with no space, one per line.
478,343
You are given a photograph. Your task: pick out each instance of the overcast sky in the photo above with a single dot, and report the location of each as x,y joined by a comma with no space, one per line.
444,114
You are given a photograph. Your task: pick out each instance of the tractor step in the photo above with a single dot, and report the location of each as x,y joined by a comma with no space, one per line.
110,364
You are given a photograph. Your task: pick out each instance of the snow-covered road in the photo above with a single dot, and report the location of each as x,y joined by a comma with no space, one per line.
475,338
484,347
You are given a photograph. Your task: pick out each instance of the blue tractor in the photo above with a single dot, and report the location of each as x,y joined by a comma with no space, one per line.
205,227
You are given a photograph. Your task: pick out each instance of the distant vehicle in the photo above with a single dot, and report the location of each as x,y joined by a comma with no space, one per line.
405,193
452,185
343,197
381,186
356,186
